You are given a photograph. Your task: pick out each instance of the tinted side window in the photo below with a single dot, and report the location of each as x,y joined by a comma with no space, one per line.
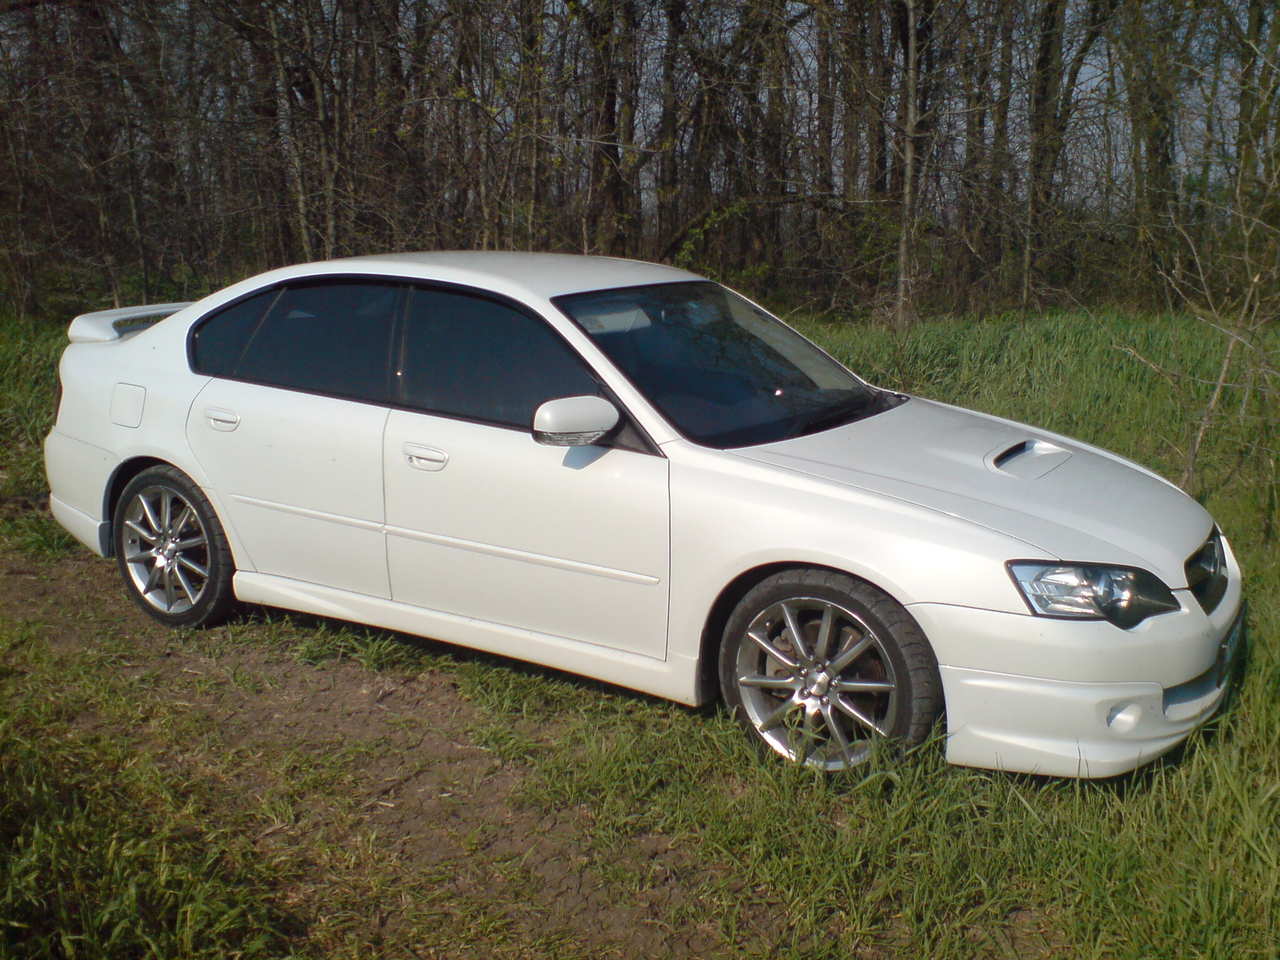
475,358
330,338
219,341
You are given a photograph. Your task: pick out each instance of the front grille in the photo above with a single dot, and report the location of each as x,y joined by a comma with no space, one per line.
1207,572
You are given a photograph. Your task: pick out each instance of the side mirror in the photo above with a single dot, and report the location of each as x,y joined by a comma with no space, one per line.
574,421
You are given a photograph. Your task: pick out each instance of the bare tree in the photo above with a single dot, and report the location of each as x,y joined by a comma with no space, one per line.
916,155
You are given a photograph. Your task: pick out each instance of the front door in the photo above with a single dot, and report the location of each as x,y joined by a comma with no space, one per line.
484,522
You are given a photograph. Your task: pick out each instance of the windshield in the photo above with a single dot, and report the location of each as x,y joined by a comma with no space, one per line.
725,373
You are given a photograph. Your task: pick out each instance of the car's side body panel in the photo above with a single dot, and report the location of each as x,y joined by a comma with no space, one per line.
780,517
91,438
570,541
299,477
78,474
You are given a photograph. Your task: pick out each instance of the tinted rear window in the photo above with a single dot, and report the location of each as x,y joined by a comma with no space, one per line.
332,338
219,341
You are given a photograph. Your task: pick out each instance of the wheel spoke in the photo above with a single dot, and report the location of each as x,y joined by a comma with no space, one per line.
191,542
849,709
797,638
863,686
777,716
822,648
761,641
166,510
185,584
193,566
141,533
153,578
808,734
149,512
770,683
144,557
833,724
851,653
182,520
170,592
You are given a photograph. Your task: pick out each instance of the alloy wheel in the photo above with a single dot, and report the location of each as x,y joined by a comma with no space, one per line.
166,549
816,682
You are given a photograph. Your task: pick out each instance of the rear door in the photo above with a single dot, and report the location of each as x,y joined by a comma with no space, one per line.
289,430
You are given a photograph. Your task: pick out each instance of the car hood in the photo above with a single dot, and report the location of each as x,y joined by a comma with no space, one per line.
1063,499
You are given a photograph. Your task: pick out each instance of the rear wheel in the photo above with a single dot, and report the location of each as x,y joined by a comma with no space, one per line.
171,550
817,665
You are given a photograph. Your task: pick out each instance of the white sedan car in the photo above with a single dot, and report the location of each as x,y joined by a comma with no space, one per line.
627,471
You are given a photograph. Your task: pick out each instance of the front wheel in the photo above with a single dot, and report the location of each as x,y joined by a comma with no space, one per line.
171,550
816,665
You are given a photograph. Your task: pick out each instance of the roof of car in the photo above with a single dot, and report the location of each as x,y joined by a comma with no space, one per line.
537,274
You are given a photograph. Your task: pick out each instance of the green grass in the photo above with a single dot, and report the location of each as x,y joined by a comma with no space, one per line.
101,853
29,352
84,875
372,649
901,856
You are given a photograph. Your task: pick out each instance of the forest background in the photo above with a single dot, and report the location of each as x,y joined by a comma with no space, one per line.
887,157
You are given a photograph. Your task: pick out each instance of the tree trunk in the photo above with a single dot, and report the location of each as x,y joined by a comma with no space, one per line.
903,310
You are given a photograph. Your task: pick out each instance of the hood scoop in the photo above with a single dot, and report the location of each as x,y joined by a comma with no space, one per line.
1027,459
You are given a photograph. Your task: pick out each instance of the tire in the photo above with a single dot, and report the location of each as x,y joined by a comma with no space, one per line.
862,670
172,552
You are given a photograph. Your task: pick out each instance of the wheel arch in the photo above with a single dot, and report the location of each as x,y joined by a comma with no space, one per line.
119,479
722,608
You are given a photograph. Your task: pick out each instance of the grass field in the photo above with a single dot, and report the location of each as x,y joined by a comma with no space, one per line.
291,786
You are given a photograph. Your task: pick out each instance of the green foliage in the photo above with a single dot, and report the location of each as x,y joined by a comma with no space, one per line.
37,534
97,862
29,352
904,856
692,252
372,649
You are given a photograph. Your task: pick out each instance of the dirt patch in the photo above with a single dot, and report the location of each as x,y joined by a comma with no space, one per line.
322,755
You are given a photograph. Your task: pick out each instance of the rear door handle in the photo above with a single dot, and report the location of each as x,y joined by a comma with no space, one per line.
422,457
221,419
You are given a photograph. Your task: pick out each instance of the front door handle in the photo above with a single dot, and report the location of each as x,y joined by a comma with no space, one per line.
422,457
221,419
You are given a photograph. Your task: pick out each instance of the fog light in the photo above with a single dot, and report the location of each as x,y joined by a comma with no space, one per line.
1124,718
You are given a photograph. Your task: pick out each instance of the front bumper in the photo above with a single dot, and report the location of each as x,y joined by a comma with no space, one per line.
1106,700
1075,729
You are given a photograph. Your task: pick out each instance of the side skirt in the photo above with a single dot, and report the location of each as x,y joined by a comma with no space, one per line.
673,679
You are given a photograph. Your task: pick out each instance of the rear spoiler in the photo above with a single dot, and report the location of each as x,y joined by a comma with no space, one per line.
104,325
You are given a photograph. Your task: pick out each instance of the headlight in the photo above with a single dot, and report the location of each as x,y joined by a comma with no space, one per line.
1124,595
